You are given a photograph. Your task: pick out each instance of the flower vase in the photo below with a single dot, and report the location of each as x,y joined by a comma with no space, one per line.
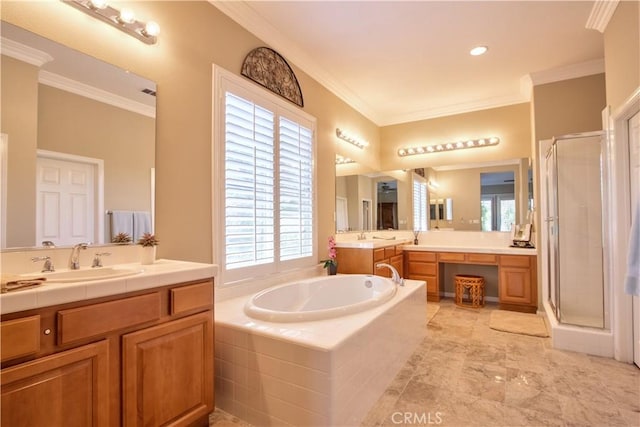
148,255
332,269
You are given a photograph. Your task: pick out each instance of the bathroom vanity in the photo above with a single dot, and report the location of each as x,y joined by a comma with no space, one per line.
361,257
517,273
140,354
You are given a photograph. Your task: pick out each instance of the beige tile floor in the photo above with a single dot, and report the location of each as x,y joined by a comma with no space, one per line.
466,374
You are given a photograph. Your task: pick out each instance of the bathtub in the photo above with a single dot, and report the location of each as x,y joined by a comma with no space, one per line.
315,371
320,298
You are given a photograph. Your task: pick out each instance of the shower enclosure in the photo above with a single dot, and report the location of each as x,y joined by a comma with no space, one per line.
573,223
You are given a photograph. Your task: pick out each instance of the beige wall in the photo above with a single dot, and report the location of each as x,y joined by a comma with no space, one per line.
194,36
569,106
19,121
125,140
511,124
622,53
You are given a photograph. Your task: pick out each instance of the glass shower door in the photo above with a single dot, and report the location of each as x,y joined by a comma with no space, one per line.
577,264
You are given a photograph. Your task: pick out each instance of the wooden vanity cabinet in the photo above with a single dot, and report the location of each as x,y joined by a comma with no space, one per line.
137,359
518,283
424,266
364,260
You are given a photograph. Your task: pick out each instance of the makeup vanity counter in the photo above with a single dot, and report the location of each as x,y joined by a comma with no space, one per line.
517,270
96,352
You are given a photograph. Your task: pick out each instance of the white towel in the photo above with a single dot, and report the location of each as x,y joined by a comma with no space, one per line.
121,222
632,282
141,224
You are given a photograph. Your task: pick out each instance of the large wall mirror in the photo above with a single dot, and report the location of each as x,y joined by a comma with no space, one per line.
470,196
78,142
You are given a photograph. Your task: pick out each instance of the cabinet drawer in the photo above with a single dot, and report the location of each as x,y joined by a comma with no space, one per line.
191,297
19,337
482,258
422,256
93,320
451,256
389,252
422,268
514,261
378,255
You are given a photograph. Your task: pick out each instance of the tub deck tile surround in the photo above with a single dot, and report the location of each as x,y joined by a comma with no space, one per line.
538,384
303,374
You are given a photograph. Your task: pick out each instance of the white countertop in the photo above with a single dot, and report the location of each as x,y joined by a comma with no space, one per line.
501,250
371,243
163,272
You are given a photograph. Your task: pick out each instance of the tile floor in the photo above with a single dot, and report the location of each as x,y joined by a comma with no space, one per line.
466,374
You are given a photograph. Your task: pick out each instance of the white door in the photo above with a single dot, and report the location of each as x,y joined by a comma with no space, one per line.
634,178
342,214
65,204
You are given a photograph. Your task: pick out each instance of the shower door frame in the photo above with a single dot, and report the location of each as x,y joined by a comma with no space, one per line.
551,246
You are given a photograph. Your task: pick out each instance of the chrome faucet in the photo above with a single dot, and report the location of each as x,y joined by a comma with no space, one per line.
97,261
48,265
395,276
362,236
74,261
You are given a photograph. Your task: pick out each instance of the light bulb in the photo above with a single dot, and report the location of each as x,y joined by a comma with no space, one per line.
151,29
98,4
127,16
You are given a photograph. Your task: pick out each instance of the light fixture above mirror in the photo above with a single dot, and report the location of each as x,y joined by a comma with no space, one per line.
351,139
123,19
449,146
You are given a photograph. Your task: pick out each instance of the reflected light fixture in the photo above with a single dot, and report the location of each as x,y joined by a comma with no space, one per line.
124,19
358,142
341,160
450,146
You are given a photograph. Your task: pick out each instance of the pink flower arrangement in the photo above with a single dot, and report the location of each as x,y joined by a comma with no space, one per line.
331,247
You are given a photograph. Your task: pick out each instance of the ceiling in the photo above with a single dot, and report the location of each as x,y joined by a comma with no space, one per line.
400,61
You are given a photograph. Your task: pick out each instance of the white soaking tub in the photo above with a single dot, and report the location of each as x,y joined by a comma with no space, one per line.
320,372
320,298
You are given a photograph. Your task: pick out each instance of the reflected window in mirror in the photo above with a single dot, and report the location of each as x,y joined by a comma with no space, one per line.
497,201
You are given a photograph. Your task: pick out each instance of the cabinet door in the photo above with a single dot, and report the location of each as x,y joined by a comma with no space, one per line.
398,263
515,285
168,372
65,389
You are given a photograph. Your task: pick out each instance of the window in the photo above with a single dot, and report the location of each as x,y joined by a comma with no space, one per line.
264,157
498,212
419,203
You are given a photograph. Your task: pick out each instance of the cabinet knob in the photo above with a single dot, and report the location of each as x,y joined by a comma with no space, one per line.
47,331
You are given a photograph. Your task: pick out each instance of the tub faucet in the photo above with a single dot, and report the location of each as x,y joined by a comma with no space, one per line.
395,276
74,261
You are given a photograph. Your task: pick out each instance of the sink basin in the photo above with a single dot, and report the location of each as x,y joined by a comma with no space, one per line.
87,274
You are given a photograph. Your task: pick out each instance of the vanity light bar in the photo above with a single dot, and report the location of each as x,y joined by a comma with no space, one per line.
124,19
358,142
340,160
450,146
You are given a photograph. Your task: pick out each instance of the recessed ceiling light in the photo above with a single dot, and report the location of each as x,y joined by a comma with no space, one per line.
478,50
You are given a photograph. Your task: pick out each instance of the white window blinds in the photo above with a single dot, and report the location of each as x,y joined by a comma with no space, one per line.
266,201
419,203
249,181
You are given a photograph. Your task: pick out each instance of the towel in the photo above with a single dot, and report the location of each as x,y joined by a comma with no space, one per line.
121,222
13,282
632,281
141,224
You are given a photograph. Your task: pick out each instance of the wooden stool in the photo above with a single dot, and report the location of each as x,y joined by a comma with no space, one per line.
473,286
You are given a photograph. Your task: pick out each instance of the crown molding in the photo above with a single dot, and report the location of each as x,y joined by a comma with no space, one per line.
243,14
453,109
24,53
601,14
73,86
573,71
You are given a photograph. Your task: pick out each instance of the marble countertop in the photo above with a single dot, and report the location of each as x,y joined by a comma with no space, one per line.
161,273
371,243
